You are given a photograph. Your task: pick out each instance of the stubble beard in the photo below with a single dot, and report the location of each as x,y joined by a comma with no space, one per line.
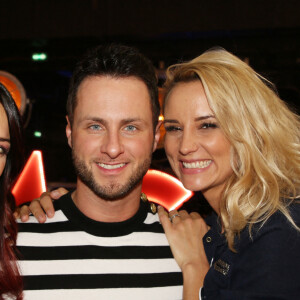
113,190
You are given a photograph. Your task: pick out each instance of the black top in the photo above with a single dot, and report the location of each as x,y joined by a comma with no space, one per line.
265,266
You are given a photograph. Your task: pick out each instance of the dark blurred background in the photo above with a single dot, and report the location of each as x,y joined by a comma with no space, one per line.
265,33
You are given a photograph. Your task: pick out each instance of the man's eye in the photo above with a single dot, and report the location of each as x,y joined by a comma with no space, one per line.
130,128
95,127
172,128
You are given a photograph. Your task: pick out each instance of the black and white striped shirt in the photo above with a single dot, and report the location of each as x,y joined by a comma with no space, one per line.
74,257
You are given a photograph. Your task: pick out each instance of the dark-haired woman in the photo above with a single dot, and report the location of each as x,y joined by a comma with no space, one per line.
11,154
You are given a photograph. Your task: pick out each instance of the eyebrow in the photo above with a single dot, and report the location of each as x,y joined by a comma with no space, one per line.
204,117
196,119
103,121
132,120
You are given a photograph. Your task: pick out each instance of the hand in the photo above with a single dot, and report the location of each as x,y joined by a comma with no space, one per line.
185,234
41,208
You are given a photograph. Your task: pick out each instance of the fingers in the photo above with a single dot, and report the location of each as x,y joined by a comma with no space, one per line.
167,219
16,213
46,205
201,223
37,211
195,215
188,219
46,200
41,207
24,213
174,216
164,218
161,211
183,214
57,193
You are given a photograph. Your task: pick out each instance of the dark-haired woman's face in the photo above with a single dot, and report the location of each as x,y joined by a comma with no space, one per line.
4,138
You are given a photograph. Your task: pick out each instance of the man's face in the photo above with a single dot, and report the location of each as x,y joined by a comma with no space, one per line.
112,137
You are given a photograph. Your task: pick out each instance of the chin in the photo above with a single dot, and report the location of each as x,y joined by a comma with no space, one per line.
194,183
192,186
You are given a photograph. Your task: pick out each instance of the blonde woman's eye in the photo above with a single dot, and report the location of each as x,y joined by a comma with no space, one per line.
208,125
172,128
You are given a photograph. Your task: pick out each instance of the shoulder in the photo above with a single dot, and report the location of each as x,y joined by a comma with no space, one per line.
273,246
265,265
279,223
294,210
33,225
268,260
277,231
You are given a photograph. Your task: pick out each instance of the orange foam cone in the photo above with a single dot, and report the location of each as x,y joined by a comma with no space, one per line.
31,182
165,190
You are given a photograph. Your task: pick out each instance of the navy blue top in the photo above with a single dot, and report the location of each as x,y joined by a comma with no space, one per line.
264,267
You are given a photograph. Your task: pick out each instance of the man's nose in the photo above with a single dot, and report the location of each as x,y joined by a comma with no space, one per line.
112,144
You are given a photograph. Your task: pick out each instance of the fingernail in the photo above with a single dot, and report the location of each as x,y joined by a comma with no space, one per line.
49,213
55,193
40,218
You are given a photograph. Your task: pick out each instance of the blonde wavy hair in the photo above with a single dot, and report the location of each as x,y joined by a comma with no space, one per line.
264,134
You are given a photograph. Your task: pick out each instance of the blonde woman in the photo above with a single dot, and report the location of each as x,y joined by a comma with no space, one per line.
229,136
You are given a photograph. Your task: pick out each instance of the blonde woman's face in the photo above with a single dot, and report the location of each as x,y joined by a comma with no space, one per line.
198,151
4,138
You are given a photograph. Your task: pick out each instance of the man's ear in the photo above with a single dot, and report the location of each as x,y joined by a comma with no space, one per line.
69,132
156,135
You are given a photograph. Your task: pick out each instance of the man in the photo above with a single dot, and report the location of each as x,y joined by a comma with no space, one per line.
104,242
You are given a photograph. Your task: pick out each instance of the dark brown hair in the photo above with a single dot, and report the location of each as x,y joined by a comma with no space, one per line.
10,279
117,61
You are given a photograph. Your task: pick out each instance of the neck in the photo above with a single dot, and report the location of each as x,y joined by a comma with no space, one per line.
214,197
102,210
